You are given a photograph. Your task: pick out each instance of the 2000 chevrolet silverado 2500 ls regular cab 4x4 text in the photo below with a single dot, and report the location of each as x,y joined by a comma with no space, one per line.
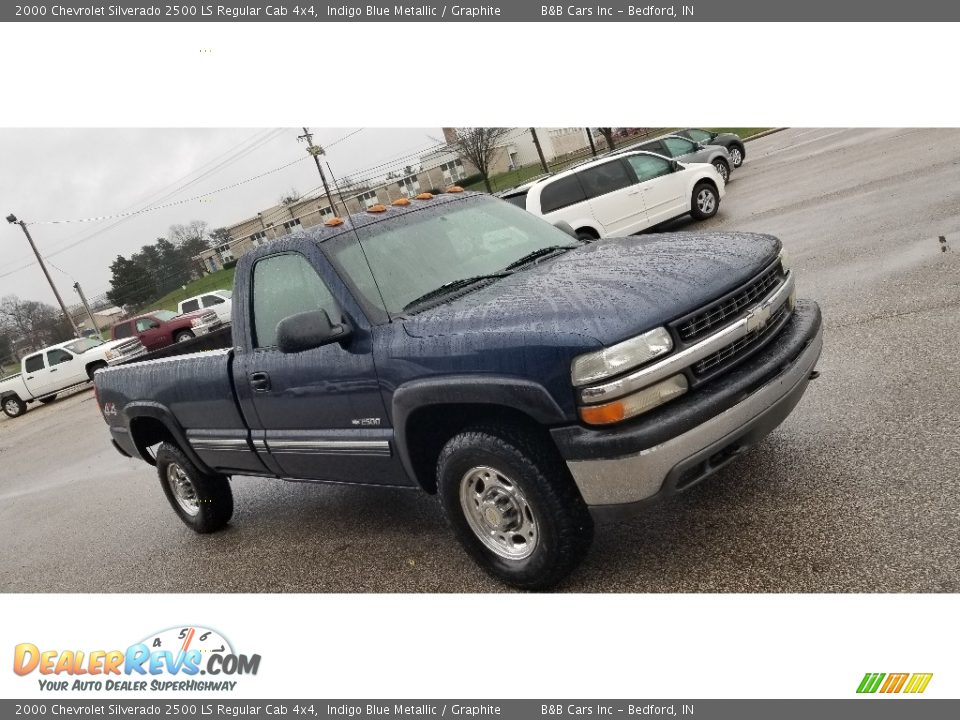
463,346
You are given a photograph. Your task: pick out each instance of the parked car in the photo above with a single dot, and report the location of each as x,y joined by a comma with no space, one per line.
625,193
472,350
45,373
518,195
160,328
217,300
731,141
687,151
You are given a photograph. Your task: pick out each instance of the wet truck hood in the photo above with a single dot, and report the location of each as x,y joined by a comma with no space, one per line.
608,290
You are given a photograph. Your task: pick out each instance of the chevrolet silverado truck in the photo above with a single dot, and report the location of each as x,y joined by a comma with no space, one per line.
461,346
52,370
160,328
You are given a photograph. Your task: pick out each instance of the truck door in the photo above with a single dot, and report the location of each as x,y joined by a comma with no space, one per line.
319,413
62,370
148,330
34,374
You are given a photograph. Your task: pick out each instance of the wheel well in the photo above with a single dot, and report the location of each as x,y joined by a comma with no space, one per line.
96,364
147,432
588,231
707,181
429,428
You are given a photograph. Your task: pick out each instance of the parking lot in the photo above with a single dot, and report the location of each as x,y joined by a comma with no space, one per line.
858,491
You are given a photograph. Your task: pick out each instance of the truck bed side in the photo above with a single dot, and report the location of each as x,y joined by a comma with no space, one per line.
190,398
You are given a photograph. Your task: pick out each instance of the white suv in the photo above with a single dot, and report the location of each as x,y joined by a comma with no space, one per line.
626,193
220,301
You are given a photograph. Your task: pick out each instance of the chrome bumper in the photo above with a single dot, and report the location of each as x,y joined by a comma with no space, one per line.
691,456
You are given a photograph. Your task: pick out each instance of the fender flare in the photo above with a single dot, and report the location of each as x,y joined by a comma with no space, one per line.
524,396
155,411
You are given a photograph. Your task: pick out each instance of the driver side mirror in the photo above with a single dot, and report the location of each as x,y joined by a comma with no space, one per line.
567,228
309,330
675,166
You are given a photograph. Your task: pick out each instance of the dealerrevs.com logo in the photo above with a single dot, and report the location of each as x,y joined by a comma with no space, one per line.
892,683
178,659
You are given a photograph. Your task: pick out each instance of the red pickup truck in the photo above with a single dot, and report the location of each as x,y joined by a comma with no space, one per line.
161,328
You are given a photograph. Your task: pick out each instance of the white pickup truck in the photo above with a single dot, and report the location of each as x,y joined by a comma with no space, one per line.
220,301
45,373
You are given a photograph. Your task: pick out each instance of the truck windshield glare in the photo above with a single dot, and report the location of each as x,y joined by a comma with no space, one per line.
419,253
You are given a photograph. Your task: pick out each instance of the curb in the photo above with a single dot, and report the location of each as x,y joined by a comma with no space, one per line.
763,134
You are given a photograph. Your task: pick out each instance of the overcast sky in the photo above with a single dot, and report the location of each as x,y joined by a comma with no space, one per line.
50,175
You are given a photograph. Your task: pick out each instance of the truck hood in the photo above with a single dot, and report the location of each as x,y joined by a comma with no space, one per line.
608,290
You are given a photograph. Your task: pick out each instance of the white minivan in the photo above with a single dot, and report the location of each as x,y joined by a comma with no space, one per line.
220,301
624,194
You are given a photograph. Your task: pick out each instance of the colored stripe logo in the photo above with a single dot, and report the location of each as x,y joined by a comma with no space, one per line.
913,683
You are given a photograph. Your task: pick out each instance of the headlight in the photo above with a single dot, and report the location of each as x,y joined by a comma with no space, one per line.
196,321
110,355
635,404
620,357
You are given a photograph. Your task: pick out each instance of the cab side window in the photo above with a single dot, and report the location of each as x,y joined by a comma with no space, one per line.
33,363
284,285
648,167
144,324
57,356
678,146
560,194
606,178
211,300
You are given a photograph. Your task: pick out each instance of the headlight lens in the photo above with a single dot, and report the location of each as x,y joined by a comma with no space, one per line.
620,357
110,355
635,404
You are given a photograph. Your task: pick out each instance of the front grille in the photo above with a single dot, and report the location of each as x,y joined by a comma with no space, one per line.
724,311
731,352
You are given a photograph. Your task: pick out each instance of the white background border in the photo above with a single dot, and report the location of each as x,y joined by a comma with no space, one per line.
91,75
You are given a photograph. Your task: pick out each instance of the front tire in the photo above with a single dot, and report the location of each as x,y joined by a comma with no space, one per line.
183,336
204,502
14,407
705,201
92,369
513,506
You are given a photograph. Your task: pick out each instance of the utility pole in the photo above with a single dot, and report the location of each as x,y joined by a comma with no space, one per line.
83,299
593,147
12,219
317,151
536,144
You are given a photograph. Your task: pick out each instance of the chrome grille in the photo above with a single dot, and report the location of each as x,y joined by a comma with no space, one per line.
721,312
737,348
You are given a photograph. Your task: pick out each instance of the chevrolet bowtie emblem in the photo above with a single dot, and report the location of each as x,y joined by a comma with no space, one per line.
758,318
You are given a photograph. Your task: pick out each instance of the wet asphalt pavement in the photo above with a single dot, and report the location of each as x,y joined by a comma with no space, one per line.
859,490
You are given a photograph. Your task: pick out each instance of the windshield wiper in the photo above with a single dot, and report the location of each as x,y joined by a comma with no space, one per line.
536,254
453,286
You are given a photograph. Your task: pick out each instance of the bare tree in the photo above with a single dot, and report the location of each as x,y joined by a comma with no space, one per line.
608,136
479,146
291,197
36,322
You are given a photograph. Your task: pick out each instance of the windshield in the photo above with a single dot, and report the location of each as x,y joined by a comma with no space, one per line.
164,315
78,347
520,199
414,254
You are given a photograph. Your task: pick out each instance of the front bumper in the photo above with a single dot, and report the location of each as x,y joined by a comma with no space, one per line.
620,470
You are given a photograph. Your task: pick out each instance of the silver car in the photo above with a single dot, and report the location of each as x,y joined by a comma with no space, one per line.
686,150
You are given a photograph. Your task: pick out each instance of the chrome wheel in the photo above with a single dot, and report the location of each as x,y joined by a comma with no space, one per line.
706,201
183,490
498,513
11,408
736,156
723,170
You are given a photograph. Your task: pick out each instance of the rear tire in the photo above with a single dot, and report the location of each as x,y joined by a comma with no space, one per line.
14,407
736,155
705,201
723,169
513,506
48,399
93,367
183,336
204,502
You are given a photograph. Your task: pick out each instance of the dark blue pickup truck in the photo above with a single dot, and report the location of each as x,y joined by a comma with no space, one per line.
462,346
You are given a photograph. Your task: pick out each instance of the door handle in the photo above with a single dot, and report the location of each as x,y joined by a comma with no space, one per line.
633,192
260,381
53,369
